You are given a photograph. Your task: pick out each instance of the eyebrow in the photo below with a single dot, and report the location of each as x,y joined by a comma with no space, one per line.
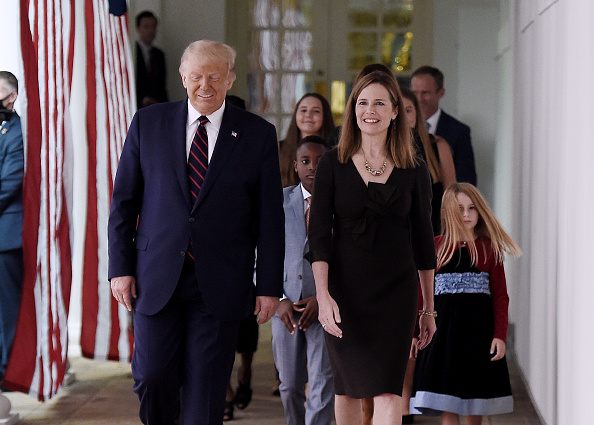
379,98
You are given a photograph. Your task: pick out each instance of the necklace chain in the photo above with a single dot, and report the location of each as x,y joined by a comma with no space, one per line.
375,172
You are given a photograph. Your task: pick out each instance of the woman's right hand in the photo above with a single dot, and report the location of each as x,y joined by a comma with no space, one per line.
328,315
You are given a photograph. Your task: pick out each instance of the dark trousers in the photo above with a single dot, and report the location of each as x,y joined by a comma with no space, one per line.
183,345
11,287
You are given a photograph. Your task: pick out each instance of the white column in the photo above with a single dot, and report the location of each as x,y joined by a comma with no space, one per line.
575,371
7,418
553,109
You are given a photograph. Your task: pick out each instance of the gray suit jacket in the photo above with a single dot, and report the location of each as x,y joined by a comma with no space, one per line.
298,276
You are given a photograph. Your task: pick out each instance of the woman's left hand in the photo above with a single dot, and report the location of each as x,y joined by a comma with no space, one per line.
427,329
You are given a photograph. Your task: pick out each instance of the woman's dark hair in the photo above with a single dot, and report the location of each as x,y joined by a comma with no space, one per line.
289,143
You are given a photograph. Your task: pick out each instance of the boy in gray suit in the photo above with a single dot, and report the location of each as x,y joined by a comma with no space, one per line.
297,336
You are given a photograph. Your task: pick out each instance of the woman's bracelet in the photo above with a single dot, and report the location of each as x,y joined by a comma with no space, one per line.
431,313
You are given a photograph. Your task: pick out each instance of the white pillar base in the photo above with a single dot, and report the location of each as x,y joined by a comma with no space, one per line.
6,418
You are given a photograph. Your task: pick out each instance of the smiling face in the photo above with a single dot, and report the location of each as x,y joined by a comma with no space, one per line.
410,112
468,210
207,82
309,116
308,155
374,110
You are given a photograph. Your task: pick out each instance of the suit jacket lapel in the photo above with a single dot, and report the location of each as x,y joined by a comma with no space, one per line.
229,135
296,203
176,130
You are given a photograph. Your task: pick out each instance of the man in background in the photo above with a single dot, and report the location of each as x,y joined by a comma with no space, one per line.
427,84
11,215
150,63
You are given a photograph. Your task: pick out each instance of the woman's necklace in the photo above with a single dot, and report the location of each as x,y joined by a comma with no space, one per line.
376,172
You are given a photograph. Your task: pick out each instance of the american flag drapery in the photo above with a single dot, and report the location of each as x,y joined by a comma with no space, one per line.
110,96
38,358
48,29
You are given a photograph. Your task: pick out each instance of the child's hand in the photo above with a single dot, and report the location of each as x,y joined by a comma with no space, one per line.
309,308
497,348
285,312
414,349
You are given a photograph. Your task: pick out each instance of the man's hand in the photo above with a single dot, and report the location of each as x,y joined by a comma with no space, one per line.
121,288
266,306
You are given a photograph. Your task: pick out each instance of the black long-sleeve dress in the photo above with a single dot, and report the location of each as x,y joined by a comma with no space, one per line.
374,237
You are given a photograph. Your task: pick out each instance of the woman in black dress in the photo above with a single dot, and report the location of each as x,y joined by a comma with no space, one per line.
371,241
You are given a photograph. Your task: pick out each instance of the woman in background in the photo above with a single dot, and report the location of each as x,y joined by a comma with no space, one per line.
437,151
312,117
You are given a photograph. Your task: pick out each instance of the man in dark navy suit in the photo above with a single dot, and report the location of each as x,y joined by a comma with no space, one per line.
197,191
11,215
427,84
150,63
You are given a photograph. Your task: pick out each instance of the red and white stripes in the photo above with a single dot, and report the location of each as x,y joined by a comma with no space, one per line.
111,105
38,359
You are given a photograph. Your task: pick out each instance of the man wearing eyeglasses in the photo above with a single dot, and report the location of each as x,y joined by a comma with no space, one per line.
11,214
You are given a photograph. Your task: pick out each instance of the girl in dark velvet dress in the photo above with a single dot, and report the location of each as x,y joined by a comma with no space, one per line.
463,372
371,241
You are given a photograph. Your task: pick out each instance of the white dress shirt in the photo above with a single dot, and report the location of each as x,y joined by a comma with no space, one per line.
433,120
212,127
146,54
306,194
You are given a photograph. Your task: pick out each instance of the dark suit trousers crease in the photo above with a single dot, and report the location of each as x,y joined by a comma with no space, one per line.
183,345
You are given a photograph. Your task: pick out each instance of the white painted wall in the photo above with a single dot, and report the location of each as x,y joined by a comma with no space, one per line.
465,50
553,68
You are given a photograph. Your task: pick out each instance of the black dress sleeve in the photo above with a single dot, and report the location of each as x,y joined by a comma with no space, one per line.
321,218
420,220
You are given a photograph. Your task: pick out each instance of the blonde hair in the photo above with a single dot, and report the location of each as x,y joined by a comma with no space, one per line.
432,159
454,230
213,51
399,139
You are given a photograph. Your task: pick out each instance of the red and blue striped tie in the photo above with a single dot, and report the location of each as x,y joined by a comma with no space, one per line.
198,159
197,164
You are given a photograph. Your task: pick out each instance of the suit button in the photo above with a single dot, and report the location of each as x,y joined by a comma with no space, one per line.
299,277
192,219
182,253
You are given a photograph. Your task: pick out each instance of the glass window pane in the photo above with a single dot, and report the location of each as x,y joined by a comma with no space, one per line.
362,18
401,16
265,13
262,93
396,50
362,48
297,13
293,86
296,51
285,121
265,53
